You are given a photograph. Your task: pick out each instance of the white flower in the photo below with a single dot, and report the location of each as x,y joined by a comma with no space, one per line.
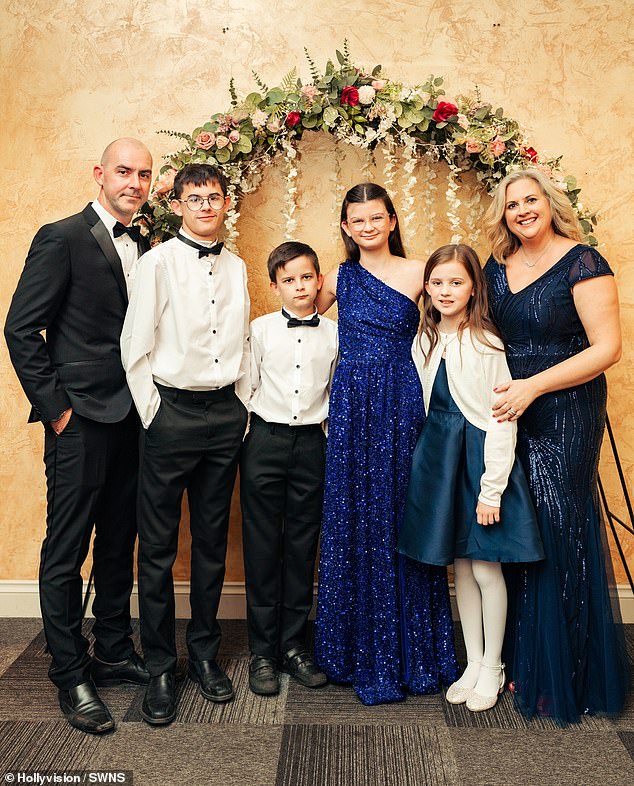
366,94
405,94
259,118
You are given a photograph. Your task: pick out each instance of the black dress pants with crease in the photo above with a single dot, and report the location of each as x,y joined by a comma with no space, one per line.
193,443
281,493
91,479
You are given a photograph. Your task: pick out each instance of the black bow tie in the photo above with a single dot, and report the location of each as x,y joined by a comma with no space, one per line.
203,251
294,322
122,229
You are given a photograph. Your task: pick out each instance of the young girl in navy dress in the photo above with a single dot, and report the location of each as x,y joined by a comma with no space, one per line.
468,500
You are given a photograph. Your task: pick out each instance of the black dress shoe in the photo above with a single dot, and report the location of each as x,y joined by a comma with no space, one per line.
84,710
159,703
299,664
213,683
131,670
263,676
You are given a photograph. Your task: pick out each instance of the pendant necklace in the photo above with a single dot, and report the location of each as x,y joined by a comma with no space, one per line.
526,261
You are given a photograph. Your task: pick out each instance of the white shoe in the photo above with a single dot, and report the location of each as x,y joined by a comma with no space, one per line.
479,703
458,694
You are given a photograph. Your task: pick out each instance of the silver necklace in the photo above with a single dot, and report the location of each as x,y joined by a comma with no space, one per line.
532,264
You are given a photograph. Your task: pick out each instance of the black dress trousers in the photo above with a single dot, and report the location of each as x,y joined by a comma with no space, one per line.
91,472
193,443
281,485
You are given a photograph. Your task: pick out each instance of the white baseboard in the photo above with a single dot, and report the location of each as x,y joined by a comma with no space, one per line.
21,599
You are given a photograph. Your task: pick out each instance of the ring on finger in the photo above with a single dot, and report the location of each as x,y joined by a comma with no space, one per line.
512,412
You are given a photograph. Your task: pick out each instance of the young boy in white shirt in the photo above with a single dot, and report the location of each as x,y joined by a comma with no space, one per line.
185,350
293,357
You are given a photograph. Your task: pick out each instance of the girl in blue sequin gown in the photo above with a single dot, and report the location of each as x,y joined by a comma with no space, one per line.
383,622
554,301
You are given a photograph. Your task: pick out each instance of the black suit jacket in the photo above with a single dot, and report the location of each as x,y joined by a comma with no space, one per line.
73,287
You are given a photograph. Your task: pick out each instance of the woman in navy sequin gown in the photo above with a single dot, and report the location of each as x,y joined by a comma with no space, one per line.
383,621
554,301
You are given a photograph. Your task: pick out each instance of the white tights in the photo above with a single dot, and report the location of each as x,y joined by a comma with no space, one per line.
481,598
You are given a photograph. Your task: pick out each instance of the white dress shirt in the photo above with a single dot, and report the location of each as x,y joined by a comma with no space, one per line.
473,369
125,247
292,369
187,324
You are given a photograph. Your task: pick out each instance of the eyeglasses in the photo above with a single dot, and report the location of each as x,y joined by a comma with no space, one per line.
195,202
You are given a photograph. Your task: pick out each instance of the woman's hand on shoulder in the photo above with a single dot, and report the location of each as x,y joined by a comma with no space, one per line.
328,292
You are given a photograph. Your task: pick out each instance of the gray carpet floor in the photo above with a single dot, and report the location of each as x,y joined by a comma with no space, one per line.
302,737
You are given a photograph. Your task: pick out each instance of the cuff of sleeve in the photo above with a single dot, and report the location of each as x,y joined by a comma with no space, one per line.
493,500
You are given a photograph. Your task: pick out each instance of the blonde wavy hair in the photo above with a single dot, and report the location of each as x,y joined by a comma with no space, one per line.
502,241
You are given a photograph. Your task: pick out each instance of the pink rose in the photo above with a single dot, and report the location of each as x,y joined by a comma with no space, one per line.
165,182
474,146
274,126
350,96
545,169
444,111
463,121
292,119
379,84
221,141
234,136
205,140
310,91
497,147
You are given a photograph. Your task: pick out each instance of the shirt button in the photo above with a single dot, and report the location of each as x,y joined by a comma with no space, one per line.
297,366
210,273
299,341
294,417
213,301
213,331
216,360
297,391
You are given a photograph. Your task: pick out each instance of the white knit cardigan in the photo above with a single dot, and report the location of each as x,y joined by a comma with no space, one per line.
473,369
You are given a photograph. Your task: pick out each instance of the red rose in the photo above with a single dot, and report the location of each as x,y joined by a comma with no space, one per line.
292,119
444,111
350,96
530,153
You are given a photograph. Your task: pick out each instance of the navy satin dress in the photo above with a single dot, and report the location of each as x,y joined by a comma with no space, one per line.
383,621
566,653
440,522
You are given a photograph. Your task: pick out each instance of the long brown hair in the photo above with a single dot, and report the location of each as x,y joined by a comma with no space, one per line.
477,318
366,192
502,241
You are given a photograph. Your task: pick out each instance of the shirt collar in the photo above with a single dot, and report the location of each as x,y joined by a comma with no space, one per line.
206,243
292,314
107,219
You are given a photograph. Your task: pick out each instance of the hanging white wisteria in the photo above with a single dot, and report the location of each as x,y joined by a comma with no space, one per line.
364,108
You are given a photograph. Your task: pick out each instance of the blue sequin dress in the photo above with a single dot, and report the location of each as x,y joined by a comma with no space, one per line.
383,621
567,655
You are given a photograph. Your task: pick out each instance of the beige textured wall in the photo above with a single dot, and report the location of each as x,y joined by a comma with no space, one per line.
78,74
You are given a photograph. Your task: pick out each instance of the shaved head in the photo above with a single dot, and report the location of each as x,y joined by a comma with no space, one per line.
125,142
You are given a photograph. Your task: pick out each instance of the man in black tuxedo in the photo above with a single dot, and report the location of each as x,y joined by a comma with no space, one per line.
75,286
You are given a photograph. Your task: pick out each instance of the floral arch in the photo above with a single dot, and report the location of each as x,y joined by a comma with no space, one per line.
414,127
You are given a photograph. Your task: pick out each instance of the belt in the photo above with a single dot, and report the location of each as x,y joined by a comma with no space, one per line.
256,420
195,396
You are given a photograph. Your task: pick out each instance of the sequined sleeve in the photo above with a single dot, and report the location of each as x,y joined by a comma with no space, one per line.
587,263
